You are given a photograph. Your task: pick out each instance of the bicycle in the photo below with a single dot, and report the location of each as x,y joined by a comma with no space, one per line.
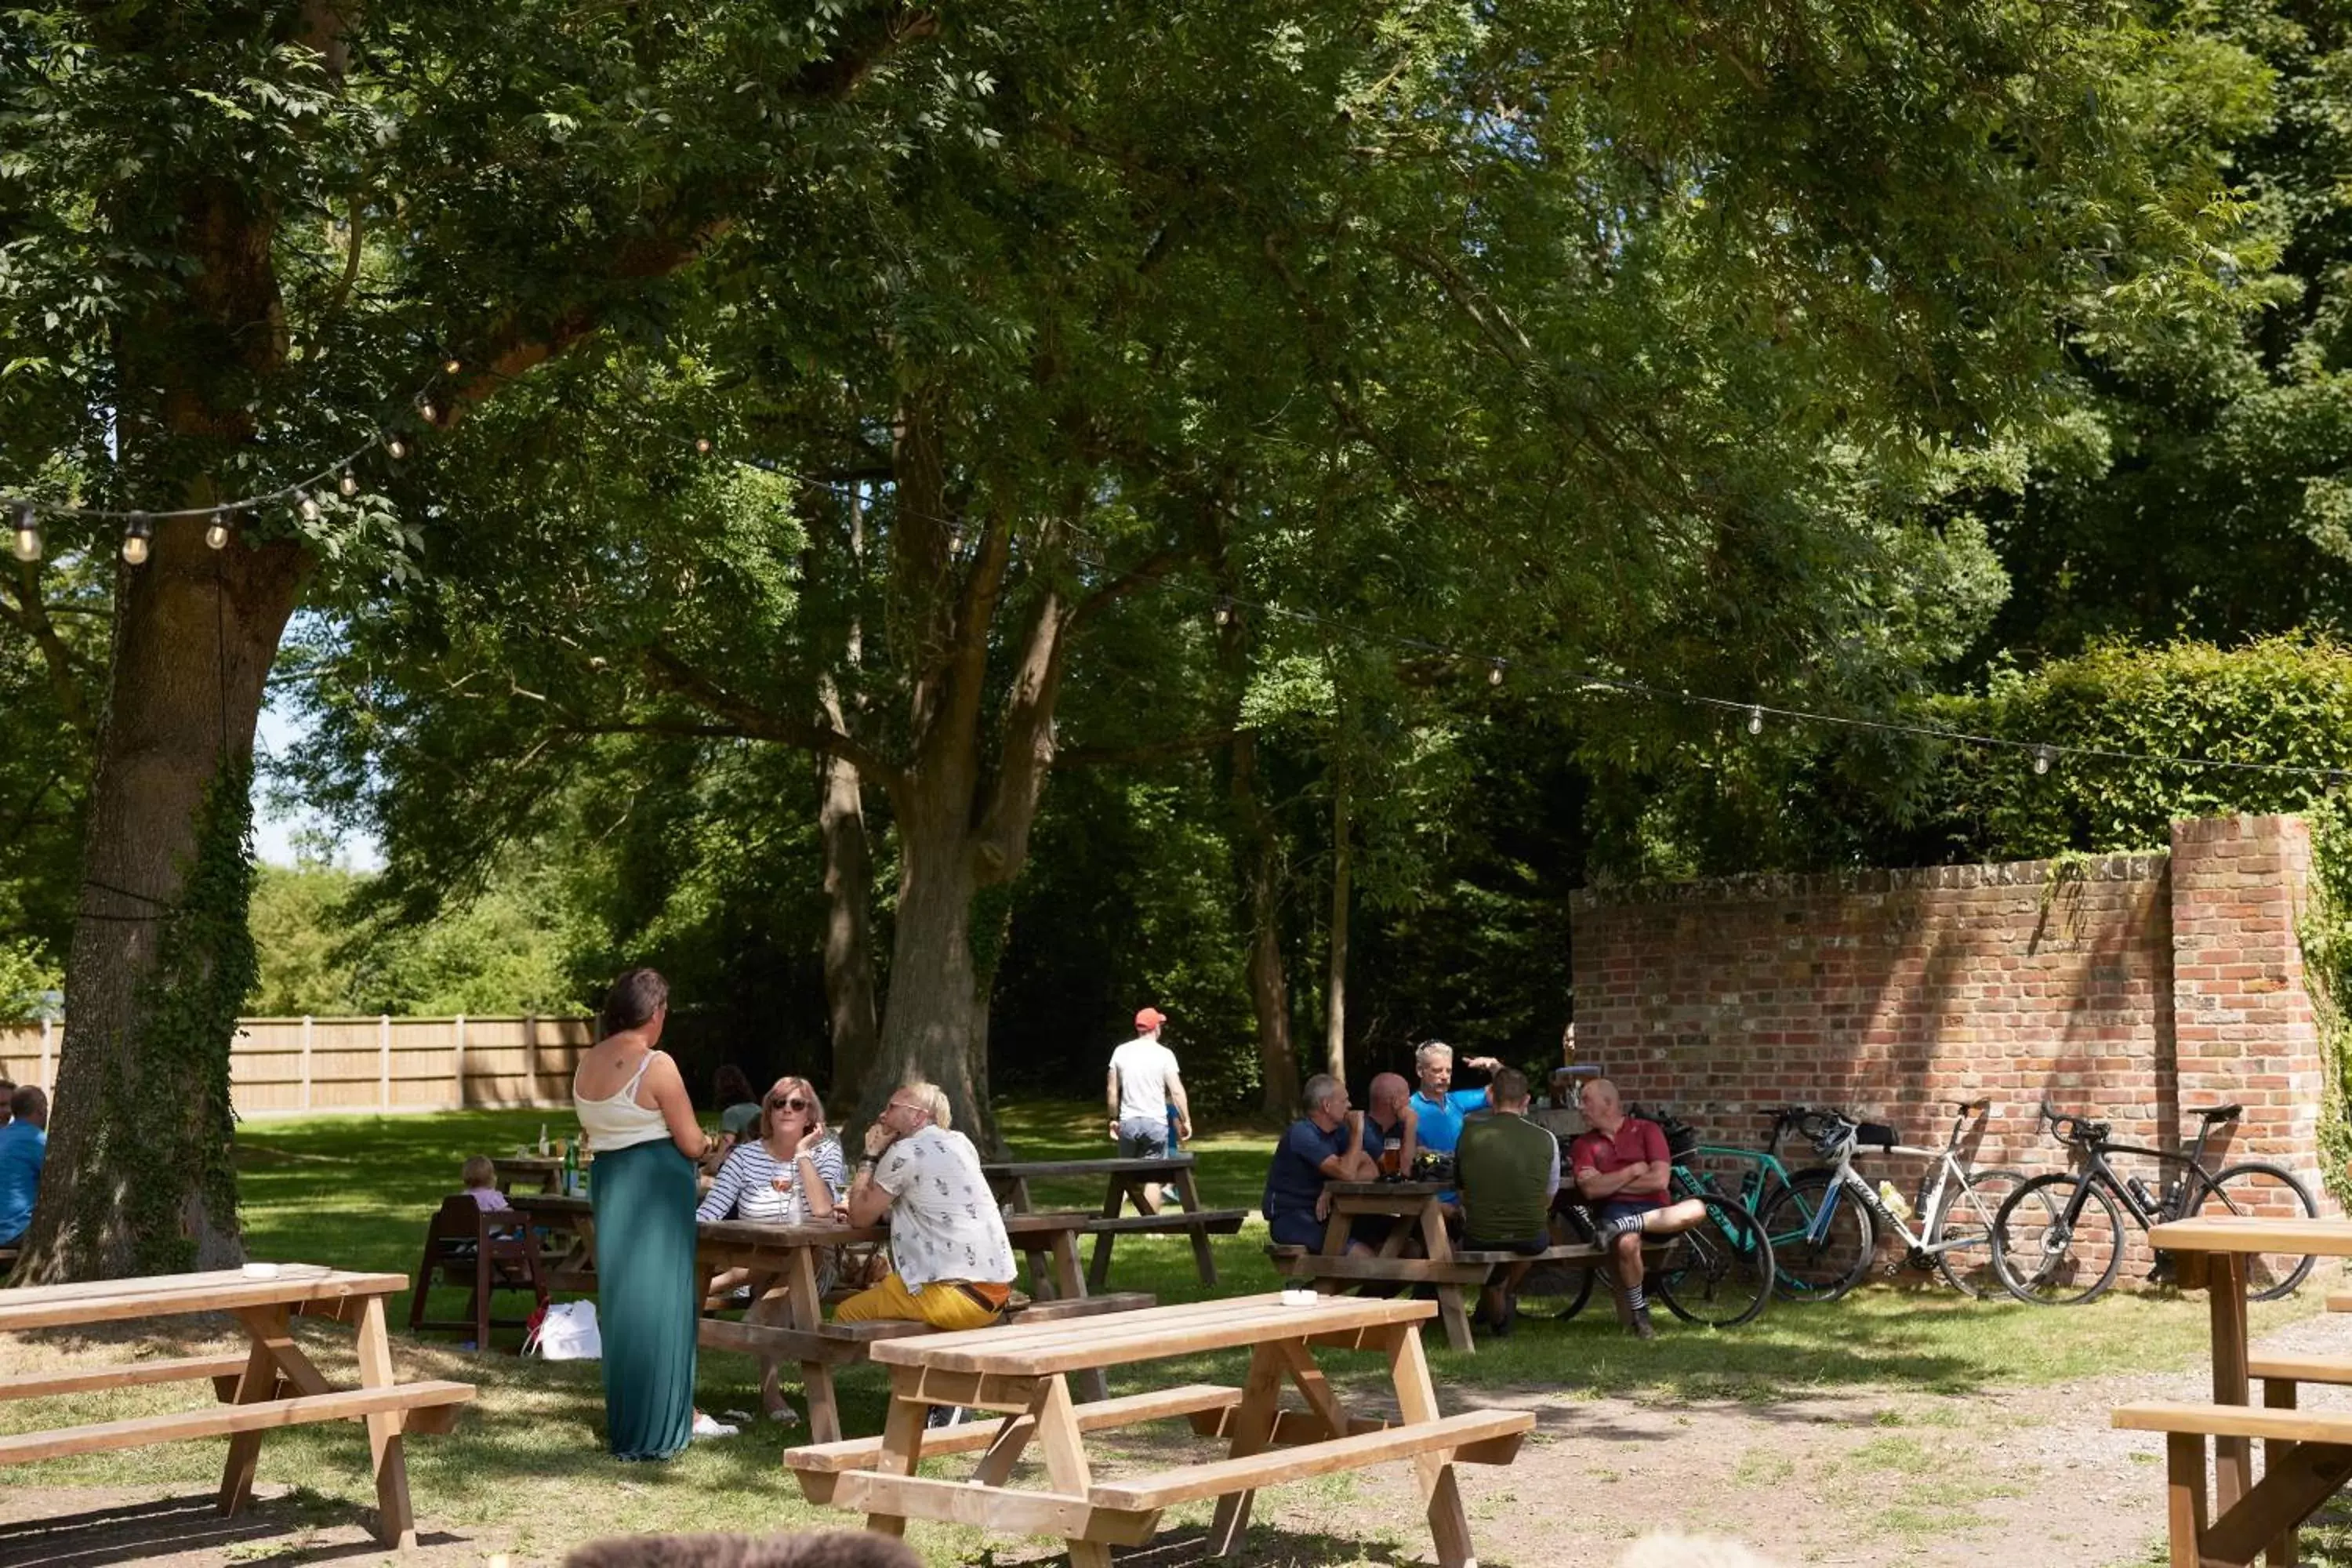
1763,1180
2075,1232
1718,1274
1824,1224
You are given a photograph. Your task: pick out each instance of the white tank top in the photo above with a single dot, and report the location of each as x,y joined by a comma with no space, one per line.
619,1123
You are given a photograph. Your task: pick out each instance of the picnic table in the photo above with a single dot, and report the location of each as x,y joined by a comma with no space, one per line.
1024,1370
1125,1181
784,1262
1415,1212
543,1172
270,1383
2306,1455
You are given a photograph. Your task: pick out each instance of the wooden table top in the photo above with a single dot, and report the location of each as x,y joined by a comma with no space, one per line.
1401,1191
2254,1233
165,1295
821,1233
1105,1167
1153,1333
527,1161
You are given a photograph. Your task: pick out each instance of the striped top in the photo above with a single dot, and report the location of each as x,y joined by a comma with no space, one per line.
745,1187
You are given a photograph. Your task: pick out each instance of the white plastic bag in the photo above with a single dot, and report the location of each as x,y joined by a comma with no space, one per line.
568,1332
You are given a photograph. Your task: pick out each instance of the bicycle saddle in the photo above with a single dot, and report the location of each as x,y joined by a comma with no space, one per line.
2220,1113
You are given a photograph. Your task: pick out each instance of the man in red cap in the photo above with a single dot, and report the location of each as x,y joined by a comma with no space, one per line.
1143,1084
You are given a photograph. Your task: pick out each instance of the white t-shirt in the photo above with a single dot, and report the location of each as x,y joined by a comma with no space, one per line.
1144,1067
944,1222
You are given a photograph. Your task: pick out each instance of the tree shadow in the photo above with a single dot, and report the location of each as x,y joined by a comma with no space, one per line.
173,1526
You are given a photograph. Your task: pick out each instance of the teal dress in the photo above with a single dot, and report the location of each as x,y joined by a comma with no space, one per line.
646,1309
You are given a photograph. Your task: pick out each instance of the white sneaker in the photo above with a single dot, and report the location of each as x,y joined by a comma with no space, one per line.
945,1416
705,1427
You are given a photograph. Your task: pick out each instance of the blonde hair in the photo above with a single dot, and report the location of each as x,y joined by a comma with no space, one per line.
478,1171
932,1097
768,1106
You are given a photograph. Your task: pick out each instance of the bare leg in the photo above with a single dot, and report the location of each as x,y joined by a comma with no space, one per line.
1629,1262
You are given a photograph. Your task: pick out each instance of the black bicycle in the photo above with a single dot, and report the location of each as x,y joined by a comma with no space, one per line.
2059,1239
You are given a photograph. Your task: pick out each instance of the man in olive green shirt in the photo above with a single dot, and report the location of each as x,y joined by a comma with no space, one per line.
1507,1169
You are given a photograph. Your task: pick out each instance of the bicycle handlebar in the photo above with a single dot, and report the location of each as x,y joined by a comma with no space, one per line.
2073,1130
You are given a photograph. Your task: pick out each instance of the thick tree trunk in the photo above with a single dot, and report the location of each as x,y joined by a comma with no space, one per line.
931,1022
140,1177
1269,979
848,927
1335,1024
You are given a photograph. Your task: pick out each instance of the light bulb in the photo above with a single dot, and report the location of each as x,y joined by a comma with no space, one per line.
1225,615
1756,720
28,544
450,367
1495,673
425,406
307,504
703,445
216,532
349,484
2042,755
135,535
395,448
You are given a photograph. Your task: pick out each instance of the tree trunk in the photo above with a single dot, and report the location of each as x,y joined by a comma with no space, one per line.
1335,1025
848,927
930,1020
1269,979
139,1177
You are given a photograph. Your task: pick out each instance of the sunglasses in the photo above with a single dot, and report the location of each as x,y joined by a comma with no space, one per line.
793,1104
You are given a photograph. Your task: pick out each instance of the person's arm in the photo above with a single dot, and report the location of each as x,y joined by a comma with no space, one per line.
677,1111
1183,1107
1551,1181
1356,1166
1661,1163
727,1191
819,1173
868,1199
1412,1149
1110,1099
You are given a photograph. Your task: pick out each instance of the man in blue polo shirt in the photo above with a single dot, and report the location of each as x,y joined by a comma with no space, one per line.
24,1145
1438,1107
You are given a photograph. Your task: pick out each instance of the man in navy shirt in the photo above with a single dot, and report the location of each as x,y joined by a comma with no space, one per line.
1438,1107
24,1145
1326,1145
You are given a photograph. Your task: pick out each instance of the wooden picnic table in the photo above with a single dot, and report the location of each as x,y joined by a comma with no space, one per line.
1415,1212
2307,1455
1125,1181
543,1172
783,1263
1024,1370
269,1384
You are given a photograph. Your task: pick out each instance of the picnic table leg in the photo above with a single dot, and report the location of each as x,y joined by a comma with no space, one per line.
2233,1458
805,1311
2278,1393
1188,1199
1449,1522
395,1526
1114,1193
1440,1249
259,1383
1066,1463
1072,1286
1253,1429
902,1450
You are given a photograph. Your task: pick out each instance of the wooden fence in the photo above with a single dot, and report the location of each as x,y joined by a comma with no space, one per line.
290,1067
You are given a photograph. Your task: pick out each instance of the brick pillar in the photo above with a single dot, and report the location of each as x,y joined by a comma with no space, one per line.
2243,1026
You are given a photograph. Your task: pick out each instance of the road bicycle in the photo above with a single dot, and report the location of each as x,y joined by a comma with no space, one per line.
1718,1274
2059,1239
1824,1224
1762,1179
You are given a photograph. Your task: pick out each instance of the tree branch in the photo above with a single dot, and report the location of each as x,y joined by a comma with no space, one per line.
747,718
1150,751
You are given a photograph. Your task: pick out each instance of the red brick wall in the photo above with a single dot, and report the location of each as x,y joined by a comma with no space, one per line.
2134,986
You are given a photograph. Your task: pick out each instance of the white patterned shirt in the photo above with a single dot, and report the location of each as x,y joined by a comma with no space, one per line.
944,1222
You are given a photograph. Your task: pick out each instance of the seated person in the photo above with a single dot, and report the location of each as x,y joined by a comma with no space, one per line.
1392,1124
1508,1170
950,1264
791,1173
482,1179
23,1146
1621,1168
1326,1145
1438,1107
739,1110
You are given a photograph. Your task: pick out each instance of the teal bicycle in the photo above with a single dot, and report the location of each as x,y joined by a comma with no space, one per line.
1762,1182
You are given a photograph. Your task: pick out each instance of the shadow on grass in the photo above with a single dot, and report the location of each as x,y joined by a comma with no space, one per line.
168,1527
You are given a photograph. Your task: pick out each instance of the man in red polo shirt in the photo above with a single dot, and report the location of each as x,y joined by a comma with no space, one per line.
1622,1167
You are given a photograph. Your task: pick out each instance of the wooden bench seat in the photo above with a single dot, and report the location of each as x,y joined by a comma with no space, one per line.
1475,1436
1394,1270
224,1370
2339,1300
2235,1421
1174,1222
1128,1410
839,1344
2290,1370
425,1408
1564,1252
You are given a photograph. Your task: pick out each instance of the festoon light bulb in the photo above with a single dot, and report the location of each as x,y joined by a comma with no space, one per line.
27,544
307,504
2042,759
1756,720
1495,673
394,448
217,530
136,534
349,484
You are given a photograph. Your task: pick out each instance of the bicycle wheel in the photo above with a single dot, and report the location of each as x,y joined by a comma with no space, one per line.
1806,1268
2048,1260
1719,1272
1558,1290
1964,1229
2257,1189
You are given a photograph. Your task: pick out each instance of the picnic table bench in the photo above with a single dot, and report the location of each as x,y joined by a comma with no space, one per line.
782,1260
1024,1370
2306,1455
269,1384
1125,1181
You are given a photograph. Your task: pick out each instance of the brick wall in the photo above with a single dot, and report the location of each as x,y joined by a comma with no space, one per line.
2130,987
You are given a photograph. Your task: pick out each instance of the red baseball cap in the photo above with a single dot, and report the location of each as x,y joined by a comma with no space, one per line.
1149,1019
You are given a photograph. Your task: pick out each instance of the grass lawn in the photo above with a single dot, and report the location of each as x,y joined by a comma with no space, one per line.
525,1471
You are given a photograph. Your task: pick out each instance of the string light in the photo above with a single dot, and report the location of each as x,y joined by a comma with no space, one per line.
307,505
394,448
1755,720
703,445
2042,759
1224,612
135,536
425,406
450,367
216,532
1495,673
349,484
27,544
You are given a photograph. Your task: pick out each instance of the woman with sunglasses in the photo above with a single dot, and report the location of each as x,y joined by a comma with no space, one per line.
792,1174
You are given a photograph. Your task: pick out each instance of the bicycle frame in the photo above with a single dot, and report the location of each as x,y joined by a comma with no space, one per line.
2097,1172
1948,1169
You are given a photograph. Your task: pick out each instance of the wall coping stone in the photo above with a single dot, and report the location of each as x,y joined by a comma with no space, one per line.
1776,886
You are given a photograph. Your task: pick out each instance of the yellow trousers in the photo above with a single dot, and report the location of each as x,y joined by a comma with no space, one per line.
942,1304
